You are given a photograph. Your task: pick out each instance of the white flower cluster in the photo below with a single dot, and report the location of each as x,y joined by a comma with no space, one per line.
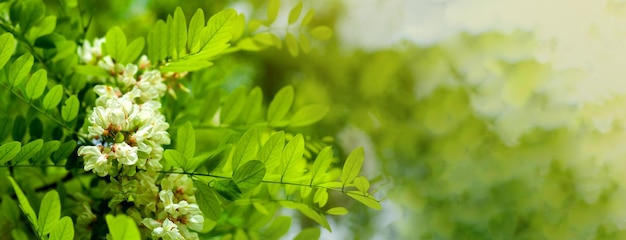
177,210
127,131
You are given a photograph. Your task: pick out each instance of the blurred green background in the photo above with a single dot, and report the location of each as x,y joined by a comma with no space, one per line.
480,119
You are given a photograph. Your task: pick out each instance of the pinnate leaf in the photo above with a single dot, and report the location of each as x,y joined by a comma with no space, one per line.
308,115
64,230
249,175
53,97
280,105
207,201
7,46
20,68
9,150
69,111
352,166
186,140
294,14
36,84
122,227
24,204
49,212
321,32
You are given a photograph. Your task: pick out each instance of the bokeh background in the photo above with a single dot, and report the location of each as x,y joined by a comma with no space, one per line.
481,119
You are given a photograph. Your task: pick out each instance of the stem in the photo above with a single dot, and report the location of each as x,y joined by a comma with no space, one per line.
262,181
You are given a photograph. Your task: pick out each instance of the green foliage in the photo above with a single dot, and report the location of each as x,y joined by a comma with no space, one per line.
122,227
245,156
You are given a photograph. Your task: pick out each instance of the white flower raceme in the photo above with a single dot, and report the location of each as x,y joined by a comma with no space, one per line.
128,132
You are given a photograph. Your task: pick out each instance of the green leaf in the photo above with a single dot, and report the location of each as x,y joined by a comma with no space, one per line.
207,201
156,43
308,234
278,228
186,140
265,38
248,44
280,105
253,25
31,12
321,197
53,97
322,162
272,11
239,26
19,234
64,230
321,32
216,157
291,155
180,32
362,184
217,33
115,43
133,50
307,18
46,26
307,211
122,227
36,85
294,14
49,212
176,159
233,106
47,149
195,30
305,45
64,151
271,153
337,211
308,115
19,128
367,200
19,69
170,37
186,65
259,207
7,46
66,49
246,149
292,44
352,166
249,175
24,204
9,150
88,70
9,209
227,189
6,126
29,150
69,111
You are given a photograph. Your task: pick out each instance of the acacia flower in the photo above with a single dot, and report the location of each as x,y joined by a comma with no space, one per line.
125,154
94,159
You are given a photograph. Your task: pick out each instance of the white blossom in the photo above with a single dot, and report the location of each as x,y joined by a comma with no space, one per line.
125,153
90,53
94,159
